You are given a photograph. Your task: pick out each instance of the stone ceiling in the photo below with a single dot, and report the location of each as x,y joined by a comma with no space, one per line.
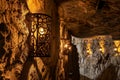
85,18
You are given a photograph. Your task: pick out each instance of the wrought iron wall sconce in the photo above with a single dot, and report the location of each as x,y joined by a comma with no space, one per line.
40,35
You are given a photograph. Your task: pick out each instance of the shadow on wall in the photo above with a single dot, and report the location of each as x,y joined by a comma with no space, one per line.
3,29
74,61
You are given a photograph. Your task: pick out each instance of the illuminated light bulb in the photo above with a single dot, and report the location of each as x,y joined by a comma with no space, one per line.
100,49
70,48
66,46
31,33
41,30
115,49
88,51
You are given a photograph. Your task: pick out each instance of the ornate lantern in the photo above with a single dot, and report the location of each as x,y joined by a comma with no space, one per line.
40,35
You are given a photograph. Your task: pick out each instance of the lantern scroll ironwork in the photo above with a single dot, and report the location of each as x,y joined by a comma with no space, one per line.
40,35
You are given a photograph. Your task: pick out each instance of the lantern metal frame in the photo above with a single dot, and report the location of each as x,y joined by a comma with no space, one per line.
40,35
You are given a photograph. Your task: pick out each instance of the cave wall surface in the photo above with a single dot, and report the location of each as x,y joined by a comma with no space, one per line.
13,37
86,18
15,63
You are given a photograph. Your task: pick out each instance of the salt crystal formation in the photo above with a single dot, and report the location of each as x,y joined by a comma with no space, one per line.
93,63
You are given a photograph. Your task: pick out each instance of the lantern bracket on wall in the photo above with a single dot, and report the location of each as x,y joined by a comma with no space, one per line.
40,35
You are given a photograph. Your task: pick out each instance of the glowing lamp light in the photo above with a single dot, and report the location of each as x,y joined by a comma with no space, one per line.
88,51
115,49
67,48
100,49
42,31
70,48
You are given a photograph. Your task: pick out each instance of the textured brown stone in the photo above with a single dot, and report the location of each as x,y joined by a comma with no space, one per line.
84,18
11,24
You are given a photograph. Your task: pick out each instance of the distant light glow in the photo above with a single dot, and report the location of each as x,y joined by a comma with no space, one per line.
100,49
117,44
88,51
66,46
41,30
115,49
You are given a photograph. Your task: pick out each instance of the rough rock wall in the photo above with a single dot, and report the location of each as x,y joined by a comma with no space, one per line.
13,37
14,61
60,71
84,16
97,57
36,70
40,6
